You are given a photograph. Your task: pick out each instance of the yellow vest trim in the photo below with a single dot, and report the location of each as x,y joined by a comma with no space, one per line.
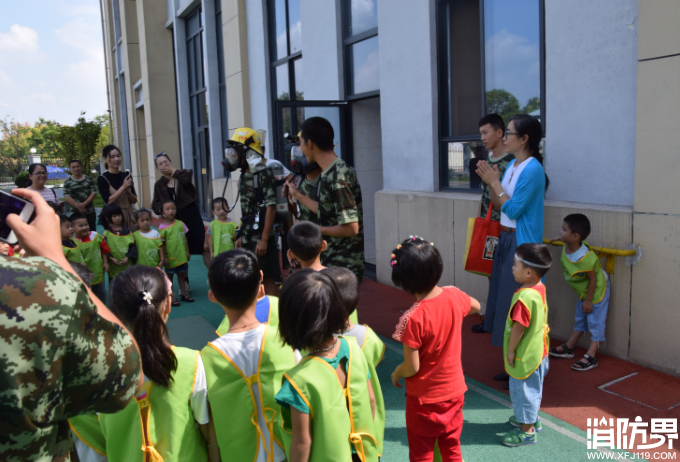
198,354
73,429
309,405
382,355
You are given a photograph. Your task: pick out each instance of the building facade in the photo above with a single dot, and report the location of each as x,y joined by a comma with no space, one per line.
404,84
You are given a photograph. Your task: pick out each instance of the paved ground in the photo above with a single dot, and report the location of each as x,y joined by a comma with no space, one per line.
568,399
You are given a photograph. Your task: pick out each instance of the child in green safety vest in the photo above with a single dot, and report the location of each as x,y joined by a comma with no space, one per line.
169,419
369,342
221,232
245,366
525,343
328,404
68,245
95,252
119,239
582,271
177,256
150,248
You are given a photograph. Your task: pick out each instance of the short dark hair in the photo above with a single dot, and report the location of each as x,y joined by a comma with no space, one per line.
222,201
494,120
107,212
320,131
64,218
417,266
142,211
305,240
311,309
75,160
83,272
77,216
348,286
537,254
235,278
578,223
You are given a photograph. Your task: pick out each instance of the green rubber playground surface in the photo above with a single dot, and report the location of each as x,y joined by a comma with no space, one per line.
486,410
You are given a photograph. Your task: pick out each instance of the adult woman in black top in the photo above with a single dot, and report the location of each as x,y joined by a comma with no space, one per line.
116,186
177,185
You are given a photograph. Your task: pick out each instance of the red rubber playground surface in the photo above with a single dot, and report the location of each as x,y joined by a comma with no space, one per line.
615,389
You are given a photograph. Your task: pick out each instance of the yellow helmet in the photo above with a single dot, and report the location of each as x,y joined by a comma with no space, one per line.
249,138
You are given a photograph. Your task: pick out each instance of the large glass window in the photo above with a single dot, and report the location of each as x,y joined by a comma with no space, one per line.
199,109
286,49
490,61
362,63
221,77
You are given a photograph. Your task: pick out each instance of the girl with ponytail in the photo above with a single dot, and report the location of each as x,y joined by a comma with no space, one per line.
519,195
162,418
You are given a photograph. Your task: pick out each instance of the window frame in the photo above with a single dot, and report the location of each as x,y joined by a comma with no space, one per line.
347,41
445,90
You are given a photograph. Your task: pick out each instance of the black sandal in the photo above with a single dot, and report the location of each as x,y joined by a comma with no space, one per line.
566,352
581,366
175,302
186,298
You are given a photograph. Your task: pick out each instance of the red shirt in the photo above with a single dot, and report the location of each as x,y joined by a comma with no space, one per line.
521,314
433,327
102,245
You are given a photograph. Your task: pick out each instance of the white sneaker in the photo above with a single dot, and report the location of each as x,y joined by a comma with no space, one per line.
187,287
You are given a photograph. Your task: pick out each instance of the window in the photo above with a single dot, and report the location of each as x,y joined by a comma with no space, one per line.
491,60
139,94
285,46
220,72
119,77
362,64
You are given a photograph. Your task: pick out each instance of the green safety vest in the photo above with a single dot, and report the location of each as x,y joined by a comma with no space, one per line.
374,350
92,253
87,429
272,321
339,416
222,235
148,253
169,432
73,254
529,353
575,274
119,246
238,429
175,244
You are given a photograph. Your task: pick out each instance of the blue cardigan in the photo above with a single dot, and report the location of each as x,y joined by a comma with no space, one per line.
526,205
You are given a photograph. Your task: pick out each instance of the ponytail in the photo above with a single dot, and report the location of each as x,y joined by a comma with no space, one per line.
531,127
137,297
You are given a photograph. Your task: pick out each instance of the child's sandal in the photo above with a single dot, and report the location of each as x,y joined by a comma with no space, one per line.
186,298
581,366
174,301
565,353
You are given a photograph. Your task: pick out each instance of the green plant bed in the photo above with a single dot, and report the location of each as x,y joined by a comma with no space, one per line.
98,201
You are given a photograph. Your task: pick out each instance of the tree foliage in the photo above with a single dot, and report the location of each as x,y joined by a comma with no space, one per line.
503,103
532,105
80,141
14,148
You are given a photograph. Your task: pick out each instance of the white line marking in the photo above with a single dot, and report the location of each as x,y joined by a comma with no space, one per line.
508,404
602,387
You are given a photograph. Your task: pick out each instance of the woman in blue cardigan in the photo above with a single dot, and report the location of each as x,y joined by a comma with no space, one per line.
519,196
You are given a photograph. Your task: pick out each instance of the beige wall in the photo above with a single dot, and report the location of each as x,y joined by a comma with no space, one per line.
235,35
442,218
656,220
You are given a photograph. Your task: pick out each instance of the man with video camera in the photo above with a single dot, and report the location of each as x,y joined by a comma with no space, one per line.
339,208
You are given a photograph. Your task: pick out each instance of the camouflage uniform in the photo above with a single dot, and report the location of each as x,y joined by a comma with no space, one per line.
502,164
340,203
80,191
58,359
269,263
308,188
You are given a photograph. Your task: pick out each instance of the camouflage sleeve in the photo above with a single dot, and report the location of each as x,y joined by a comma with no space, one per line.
100,365
91,187
68,184
268,183
344,199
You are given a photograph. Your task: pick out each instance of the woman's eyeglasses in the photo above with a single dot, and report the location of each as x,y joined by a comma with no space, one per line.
39,173
160,154
509,133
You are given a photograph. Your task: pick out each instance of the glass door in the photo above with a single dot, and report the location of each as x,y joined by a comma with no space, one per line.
289,116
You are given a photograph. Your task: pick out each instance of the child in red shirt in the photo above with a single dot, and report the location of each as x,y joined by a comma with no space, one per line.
431,333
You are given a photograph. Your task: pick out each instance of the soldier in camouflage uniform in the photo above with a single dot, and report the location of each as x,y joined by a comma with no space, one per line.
59,358
340,210
81,190
492,129
258,211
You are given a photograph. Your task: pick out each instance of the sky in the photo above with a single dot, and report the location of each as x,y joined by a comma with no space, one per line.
51,60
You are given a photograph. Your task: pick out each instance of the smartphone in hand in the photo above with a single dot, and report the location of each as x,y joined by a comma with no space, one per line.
9,203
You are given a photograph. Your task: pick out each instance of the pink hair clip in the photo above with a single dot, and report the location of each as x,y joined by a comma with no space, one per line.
393,256
394,262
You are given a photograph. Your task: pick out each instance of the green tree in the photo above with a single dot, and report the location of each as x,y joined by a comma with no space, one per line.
14,148
80,141
532,105
503,103
105,135
44,138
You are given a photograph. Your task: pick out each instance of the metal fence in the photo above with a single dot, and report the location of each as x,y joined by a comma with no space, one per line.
56,170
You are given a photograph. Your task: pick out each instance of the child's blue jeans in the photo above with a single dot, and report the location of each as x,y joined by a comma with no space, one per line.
595,321
526,394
